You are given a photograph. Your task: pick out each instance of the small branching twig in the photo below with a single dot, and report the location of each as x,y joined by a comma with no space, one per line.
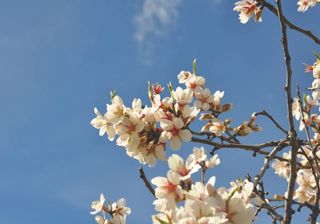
146,181
266,114
267,160
292,26
292,134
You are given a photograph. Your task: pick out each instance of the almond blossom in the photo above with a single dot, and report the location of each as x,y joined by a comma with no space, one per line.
119,211
184,76
115,110
296,110
217,127
282,168
98,206
174,132
182,96
305,4
112,214
102,123
177,165
204,99
196,83
168,191
248,8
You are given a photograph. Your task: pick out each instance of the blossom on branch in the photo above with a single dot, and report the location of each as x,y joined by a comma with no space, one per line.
248,8
305,4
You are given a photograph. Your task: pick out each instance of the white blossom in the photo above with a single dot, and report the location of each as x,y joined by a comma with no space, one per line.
248,8
305,4
173,131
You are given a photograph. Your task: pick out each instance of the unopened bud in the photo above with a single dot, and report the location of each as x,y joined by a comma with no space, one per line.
226,107
279,197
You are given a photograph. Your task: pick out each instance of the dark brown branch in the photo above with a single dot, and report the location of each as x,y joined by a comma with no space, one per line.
266,114
256,149
292,134
146,182
292,26
269,208
267,160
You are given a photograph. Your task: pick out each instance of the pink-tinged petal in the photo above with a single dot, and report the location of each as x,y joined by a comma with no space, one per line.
178,123
160,152
111,133
205,106
161,192
117,100
164,137
166,124
210,186
175,143
151,160
121,202
198,104
102,130
102,199
175,163
173,177
159,181
185,135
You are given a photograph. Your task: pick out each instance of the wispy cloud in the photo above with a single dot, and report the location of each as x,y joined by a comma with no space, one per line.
155,18
153,21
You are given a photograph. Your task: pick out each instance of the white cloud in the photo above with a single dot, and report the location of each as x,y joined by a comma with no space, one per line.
155,19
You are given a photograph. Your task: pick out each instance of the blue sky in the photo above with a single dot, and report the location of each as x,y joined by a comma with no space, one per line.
59,59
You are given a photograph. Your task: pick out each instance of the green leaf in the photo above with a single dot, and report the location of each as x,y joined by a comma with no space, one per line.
305,99
150,94
194,66
112,94
161,221
317,55
170,89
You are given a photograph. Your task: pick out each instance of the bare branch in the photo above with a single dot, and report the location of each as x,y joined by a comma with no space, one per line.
269,208
256,149
146,182
292,26
292,134
266,114
267,160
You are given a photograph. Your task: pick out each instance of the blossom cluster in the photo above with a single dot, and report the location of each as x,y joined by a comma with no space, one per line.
180,200
107,213
247,9
145,131
309,153
254,8
304,5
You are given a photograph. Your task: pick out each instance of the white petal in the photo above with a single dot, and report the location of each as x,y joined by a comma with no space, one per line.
175,143
185,135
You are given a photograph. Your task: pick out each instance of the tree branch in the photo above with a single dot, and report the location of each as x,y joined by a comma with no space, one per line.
292,134
267,160
292,26
146,182
256,149
266,114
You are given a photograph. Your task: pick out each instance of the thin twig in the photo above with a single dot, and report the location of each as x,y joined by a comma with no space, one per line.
265,113
269,208
292,26
146,182
256,149
267,160
292,134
